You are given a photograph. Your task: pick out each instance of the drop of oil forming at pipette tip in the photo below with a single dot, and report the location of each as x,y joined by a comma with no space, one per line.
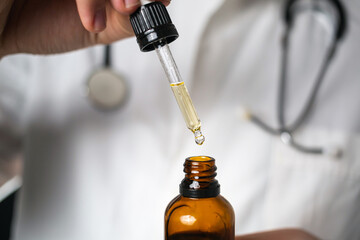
199,137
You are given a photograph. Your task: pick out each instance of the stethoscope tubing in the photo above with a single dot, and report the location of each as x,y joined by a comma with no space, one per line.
107,57
285,131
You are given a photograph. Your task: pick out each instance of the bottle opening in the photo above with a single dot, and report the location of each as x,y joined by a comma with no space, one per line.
200,159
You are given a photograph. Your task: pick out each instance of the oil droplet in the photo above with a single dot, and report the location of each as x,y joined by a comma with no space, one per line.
199,137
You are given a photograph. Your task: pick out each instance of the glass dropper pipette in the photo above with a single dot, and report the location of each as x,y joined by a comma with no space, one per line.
180,92
154,31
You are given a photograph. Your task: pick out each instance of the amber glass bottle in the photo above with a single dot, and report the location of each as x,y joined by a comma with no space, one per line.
199,212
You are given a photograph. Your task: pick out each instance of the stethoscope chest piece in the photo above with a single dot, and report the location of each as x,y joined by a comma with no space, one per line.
106,89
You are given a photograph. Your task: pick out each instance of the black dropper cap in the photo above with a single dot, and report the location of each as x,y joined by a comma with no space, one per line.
152,26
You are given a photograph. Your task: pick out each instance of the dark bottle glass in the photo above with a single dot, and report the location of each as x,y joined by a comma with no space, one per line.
199,212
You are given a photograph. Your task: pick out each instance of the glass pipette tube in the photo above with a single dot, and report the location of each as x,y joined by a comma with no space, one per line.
180,91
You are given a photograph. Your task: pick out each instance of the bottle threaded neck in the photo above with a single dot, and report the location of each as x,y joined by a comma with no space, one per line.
200,168
199,181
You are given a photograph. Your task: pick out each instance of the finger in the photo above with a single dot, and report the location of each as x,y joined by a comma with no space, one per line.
92,14
166,2
129,6
125,6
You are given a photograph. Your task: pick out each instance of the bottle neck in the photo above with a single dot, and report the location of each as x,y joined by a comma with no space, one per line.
199,181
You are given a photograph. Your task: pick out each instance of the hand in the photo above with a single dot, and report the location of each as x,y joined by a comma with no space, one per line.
55,26
283,234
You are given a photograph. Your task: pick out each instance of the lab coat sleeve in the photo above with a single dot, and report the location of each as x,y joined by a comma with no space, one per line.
13,80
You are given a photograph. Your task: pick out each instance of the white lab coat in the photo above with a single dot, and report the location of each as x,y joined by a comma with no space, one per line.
94,175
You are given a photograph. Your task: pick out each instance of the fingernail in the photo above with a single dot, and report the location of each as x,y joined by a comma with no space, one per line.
100,20
131,3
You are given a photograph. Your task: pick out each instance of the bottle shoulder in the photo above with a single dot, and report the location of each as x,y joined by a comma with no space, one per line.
224,201
173,202
187,205
219,199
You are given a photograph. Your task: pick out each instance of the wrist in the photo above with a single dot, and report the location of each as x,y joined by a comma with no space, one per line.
2,54
7,47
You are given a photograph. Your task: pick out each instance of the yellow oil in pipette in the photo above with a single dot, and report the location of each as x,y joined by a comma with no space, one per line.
188,111
180,92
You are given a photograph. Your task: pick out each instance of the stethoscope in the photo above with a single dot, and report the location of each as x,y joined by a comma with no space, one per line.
330,12
108,90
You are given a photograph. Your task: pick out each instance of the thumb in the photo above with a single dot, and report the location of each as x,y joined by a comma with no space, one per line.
129,6
92,14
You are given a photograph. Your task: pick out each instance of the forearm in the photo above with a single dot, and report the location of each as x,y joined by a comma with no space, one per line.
5,8
52,26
